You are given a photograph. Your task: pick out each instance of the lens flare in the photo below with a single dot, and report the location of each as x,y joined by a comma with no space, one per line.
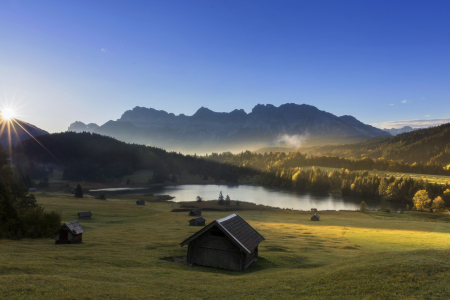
8,114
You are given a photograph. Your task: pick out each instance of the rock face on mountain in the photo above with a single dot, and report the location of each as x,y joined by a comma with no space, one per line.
81,127
16,131
395,131
207,131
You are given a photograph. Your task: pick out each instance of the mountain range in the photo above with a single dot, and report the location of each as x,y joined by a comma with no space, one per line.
14,131
395,131
208,131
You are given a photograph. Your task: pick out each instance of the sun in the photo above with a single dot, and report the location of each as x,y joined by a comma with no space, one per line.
8,114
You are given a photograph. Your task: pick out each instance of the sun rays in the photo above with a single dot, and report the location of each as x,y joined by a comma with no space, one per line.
9,127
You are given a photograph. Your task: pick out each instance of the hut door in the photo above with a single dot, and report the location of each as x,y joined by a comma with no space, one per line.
63,235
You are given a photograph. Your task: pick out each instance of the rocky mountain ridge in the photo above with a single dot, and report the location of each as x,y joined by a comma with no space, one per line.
207,131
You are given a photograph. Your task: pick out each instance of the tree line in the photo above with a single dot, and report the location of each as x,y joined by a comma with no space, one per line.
360,184
295,159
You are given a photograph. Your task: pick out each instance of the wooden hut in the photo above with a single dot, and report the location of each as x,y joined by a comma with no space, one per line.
229,243
315,217
69,233
199,221
140,202
85,215
195,213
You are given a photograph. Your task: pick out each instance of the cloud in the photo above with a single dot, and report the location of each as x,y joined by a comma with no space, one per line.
427,116
405,101
391,104
103,49
294,141
412,123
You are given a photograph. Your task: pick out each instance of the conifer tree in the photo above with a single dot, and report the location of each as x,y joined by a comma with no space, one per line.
221,201
79,191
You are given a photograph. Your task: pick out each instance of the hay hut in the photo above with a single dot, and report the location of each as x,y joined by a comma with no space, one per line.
85,215
229,243
195,213
69,233
315,217
199,221
140,202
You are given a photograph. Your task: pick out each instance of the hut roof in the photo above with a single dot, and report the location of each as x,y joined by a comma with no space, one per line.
235,228
196,212
140,202
199,219
74,227
84,213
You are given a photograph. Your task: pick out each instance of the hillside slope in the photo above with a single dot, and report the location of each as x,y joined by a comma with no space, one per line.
423,145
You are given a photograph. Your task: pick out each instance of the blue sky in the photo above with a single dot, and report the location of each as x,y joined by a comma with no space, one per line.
380,61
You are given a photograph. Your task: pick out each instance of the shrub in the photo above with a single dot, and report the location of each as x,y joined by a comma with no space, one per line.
199,199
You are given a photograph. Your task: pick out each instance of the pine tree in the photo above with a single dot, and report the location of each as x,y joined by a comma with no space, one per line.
227,200
79,191
221,201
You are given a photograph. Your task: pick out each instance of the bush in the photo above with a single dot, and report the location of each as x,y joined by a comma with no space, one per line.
199,199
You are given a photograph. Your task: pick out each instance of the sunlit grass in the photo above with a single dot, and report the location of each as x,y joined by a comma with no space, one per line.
345,256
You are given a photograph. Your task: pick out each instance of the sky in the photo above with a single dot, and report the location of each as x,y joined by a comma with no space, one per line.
90,61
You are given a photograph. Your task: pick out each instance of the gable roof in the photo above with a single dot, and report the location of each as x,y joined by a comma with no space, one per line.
195,212
236,229
74,227
198,219
84,214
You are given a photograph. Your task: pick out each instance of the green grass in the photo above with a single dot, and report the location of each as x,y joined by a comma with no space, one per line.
344,256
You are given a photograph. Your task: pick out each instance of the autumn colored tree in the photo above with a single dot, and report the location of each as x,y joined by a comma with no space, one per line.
421,200
438,205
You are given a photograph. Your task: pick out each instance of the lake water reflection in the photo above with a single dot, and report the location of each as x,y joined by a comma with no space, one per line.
282,198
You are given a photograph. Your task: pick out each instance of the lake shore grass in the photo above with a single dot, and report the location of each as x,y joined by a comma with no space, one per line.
346,255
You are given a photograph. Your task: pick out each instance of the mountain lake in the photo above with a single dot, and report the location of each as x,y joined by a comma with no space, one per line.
281,198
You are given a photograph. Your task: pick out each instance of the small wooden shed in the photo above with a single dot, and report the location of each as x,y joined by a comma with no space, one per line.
199,221
69,233
229,243
140,202
85,215
195,213
315,217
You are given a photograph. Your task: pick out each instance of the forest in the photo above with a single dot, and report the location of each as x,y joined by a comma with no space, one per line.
295,159
430,145
93,157
360,184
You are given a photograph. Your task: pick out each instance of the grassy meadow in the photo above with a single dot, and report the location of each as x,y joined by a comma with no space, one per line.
347,255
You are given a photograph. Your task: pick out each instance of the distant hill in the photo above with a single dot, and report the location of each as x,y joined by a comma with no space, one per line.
208,131
18,131
92,157
422,145
395,131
